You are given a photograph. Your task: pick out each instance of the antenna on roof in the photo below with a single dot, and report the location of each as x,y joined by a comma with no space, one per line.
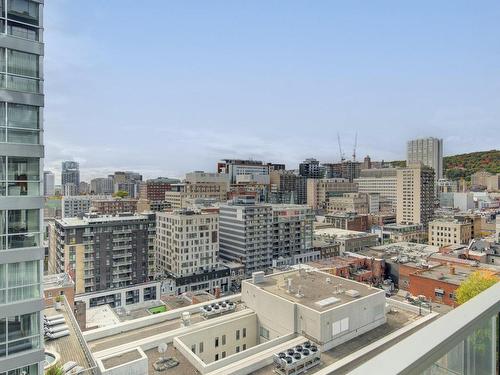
355,145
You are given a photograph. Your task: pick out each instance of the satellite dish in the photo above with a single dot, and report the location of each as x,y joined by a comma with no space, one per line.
162,348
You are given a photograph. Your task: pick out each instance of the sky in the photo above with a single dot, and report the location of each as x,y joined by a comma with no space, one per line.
167,87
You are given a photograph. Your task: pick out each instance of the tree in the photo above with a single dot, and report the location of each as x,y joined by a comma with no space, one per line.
475,284
120,194
55,370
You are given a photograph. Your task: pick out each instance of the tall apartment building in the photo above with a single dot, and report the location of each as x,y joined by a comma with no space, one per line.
187,250
256,234
103,252
415,195
21,201
49,186
287,187
349,202
319,190
382,181
429,152
449,232
84,187
70,175
235,167
102,185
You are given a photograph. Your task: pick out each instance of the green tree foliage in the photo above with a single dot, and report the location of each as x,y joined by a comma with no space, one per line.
464,165
120,194
474,284
55,370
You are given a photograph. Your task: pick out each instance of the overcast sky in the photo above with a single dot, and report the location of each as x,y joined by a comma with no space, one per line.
165,87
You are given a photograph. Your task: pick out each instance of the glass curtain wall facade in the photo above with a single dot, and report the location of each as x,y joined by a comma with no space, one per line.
21,178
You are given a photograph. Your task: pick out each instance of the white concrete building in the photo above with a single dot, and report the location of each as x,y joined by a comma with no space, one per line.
428,151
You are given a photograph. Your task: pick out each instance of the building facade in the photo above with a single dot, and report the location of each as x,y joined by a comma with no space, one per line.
449,232
382,181
415,195
320,190
101,185
187,250
70,175
349,202
310,168
21,173
429,152
103,252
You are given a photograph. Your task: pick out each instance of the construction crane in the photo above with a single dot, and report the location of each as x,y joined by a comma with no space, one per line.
355,145
340,149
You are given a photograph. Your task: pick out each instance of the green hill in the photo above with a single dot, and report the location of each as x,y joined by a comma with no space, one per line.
464,165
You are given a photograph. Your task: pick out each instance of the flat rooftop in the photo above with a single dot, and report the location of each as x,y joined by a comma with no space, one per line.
319,291
341,233
60,280
443,273
121,359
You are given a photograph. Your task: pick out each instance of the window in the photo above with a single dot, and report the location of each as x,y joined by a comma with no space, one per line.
22,31
223,339
244,332
25,370
264,332
200,347
223,354
24,11
216,357
237,334
22,177
19,333
237,349
19,70
244,346
19,281
216,342
19,123
19,228
193,348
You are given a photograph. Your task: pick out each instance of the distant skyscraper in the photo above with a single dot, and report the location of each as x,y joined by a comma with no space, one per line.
49,187
21,163
70,174
310,168
428,151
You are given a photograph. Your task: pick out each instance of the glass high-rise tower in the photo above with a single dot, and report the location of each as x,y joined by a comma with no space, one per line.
21,174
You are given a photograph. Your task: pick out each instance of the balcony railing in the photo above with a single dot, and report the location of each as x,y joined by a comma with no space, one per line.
465,341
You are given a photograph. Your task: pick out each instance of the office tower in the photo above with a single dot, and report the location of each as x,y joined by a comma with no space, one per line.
21,168
102,252
310,168
127,181
187,248
49,187
235,167
70,175
429,152
415,195
319,190
101,185
382,181
256,234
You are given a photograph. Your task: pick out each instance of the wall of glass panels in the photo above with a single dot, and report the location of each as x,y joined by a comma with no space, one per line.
19,333
19,71
19,123
19,176
19,228
19,281
25,370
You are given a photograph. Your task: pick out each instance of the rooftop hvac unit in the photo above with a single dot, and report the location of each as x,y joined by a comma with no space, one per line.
297,360
217,308
258,277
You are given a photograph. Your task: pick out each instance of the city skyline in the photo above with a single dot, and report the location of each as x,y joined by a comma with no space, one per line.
263,82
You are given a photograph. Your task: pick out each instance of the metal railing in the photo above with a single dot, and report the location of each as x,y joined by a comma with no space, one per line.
452,334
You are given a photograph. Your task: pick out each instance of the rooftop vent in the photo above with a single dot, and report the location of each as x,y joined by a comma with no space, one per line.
352,293
327,301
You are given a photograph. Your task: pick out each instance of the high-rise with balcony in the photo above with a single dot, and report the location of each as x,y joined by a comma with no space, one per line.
70,177
21,173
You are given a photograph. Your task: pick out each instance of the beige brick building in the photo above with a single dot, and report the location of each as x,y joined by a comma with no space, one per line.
444,232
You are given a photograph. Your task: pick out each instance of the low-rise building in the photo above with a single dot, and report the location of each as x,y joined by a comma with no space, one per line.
320,189
349,202
449,232
348,221
348,240
114,206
